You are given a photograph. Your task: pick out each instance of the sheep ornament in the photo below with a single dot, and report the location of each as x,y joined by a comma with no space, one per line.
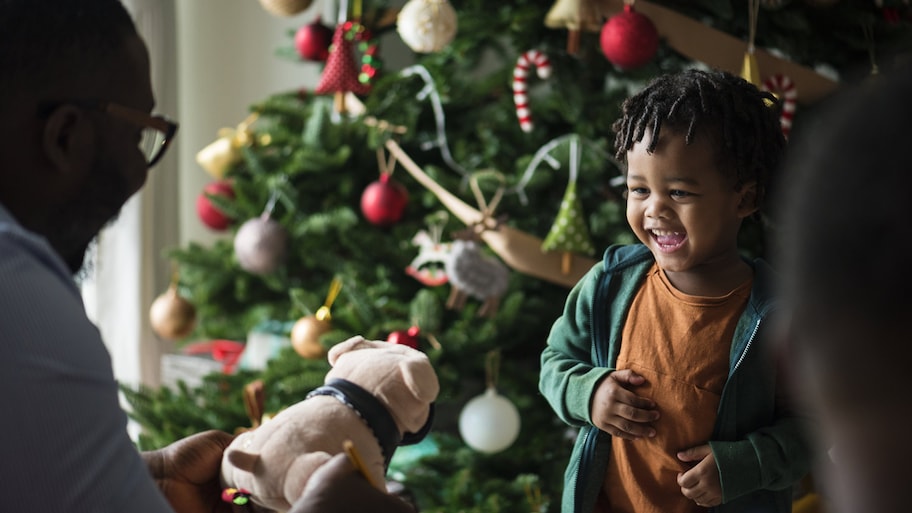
472,273
377,395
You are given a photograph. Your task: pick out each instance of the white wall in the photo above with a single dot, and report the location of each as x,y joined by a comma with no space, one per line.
225,62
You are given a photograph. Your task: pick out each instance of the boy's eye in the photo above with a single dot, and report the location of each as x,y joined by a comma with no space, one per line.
676,193
636,191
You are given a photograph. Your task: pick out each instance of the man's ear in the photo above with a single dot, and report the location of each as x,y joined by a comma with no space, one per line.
66,138
747,202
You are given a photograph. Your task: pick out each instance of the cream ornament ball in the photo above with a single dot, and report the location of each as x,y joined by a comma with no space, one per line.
489,423
260,245
427,25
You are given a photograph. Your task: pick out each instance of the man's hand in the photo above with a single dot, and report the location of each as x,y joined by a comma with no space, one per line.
701,483
336,487
620,412
187,472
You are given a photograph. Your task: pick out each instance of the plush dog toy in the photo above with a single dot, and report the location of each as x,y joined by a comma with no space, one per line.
378,395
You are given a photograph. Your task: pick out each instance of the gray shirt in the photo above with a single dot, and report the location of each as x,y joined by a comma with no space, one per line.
64,444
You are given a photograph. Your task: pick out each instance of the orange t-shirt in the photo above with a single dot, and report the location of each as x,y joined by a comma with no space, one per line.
680,344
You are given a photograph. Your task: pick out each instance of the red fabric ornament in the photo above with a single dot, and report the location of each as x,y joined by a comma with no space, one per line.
407,337
312,41
207,212
383,201
227,352
629,39
341,73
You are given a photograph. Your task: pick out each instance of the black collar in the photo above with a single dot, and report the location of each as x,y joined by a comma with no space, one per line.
377,417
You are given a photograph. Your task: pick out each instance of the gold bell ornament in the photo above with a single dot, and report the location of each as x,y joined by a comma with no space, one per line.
574,15
306,332
225,151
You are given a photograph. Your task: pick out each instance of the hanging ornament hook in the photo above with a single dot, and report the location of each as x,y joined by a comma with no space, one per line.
387,164
750,71
492,368
323,313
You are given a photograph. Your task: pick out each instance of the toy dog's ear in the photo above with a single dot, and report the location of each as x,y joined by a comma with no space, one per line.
420,378
243,460
352,344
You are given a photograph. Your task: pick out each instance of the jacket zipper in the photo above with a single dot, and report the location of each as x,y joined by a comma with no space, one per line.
741,357
747,347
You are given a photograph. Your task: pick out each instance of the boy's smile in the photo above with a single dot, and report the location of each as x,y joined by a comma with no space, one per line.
687,211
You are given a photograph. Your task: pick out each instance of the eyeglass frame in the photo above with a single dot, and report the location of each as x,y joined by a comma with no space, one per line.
129,114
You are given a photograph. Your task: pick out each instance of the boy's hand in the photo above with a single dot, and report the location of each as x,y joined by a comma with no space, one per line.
701,483
618,411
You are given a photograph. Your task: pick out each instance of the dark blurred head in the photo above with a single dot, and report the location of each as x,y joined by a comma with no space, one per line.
847,242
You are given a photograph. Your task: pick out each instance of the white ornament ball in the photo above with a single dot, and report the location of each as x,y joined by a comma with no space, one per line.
260,245
489,423
427,25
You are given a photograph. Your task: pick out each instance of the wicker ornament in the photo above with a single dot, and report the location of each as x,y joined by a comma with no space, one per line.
427,25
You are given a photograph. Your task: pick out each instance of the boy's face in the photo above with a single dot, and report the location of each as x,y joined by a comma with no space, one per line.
682,207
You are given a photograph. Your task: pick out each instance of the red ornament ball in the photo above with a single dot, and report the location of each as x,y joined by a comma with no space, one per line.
208,213
407,337
312,41
629,39
383,202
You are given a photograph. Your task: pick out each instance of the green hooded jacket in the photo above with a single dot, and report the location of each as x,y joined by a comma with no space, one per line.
759,444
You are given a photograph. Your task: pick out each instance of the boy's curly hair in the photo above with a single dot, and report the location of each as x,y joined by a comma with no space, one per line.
741,122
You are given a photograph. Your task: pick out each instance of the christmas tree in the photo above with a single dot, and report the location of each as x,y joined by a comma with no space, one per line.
325,205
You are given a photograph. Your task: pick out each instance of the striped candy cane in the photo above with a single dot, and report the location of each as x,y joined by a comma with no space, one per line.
783,87
520,73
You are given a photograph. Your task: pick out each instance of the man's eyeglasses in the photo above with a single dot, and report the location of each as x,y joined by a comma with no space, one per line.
157,131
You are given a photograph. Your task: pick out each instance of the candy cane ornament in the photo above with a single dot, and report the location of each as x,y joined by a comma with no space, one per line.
520,73
783,87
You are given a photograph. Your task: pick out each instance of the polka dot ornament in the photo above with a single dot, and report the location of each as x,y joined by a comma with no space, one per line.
340,73
569,232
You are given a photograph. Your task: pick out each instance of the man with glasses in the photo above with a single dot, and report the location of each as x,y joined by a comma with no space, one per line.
77,139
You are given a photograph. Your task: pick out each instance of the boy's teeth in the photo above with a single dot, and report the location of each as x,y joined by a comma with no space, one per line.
663,233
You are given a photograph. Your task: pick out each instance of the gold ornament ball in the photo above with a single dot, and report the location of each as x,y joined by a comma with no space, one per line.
285,7
171,316
305,336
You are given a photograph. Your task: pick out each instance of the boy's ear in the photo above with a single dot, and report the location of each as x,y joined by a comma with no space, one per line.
747,203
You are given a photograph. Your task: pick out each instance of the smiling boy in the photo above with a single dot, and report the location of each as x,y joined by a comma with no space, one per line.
659,357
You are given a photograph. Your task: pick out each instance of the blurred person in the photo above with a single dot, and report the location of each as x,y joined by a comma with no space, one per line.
847,237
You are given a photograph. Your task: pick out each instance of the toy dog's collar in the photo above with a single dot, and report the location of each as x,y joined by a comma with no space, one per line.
377,417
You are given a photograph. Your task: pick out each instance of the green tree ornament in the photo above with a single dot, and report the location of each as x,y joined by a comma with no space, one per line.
570,233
